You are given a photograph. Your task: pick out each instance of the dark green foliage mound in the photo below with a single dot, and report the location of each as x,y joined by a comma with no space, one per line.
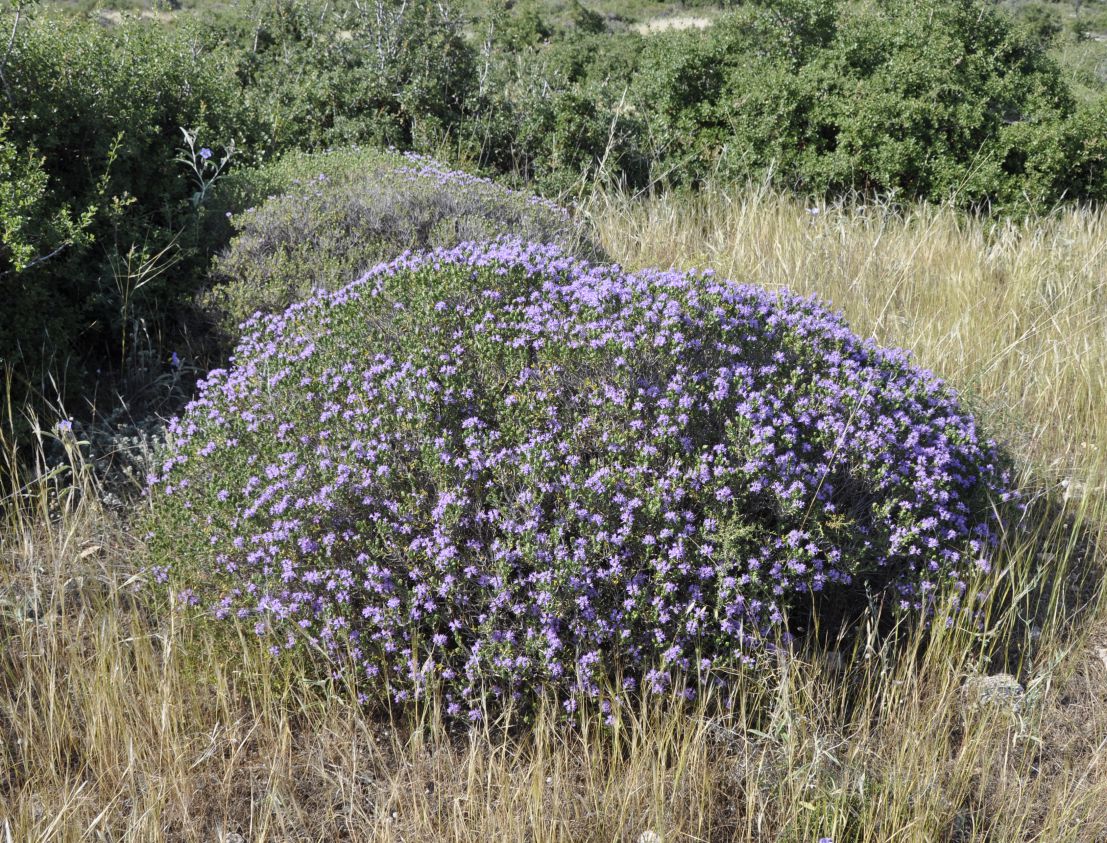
322,74
932,99
101,235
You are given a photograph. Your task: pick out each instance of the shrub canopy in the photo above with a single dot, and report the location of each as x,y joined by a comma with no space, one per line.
101,242
337,214
935,99
506,471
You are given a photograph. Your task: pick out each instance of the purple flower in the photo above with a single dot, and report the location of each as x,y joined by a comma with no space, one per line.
205,153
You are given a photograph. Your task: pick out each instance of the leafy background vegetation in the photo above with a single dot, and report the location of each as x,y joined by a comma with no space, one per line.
996,109
935,169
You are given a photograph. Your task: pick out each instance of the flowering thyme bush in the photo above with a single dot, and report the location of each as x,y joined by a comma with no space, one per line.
345,211
508,471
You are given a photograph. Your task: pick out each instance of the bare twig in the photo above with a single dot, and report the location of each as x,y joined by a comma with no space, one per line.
8,51
38,260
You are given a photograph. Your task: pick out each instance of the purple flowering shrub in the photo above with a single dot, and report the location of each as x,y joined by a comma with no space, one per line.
503,471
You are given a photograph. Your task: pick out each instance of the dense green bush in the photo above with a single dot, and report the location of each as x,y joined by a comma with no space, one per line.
934,99
498,471
1042,22
514,27
334,215
33,229
559,116
319,73
95,118
565,141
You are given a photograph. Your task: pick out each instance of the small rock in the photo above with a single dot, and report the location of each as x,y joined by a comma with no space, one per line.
999,688
21,605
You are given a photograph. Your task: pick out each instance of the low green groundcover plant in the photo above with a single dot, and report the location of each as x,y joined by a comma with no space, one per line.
501,472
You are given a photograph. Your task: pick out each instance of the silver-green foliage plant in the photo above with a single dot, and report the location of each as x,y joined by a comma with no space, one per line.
338,214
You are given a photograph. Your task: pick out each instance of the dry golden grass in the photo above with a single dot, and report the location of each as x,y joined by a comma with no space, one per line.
1015,315
119,721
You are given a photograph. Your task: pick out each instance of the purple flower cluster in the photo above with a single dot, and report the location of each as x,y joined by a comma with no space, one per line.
507,471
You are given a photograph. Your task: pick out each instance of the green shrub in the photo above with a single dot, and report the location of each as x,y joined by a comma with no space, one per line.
519,26
1056,161
34,228
319,73
334,215
680,93
559,116
925,100
96,114
1043,24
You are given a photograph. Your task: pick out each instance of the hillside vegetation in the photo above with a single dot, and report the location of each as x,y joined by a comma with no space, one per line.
114,215
121,715
553,421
